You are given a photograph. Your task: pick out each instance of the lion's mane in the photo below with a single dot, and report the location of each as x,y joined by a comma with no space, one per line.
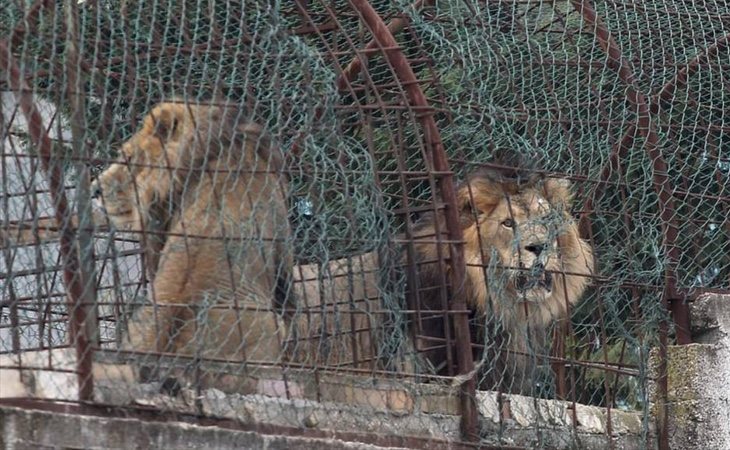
504,318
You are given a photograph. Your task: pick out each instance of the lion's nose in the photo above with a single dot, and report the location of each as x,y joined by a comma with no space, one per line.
535,248
95,190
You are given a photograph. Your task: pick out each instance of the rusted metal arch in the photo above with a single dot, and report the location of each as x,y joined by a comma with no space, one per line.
656,103
666,94
355,66
384,40
646,127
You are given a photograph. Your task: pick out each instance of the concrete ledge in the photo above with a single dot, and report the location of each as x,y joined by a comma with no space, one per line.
532,423
27,428
331,401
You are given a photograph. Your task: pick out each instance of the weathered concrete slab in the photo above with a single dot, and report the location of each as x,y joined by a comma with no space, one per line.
531,422
27,428
698,394
334,401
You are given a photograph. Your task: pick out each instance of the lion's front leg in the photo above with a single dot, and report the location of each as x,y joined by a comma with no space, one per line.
153,327
149,329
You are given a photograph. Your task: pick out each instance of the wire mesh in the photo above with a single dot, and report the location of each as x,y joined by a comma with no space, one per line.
275,228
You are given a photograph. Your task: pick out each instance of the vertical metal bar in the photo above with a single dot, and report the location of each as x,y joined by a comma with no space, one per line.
662,409
41,278
354,333
68,250
404,72
75,96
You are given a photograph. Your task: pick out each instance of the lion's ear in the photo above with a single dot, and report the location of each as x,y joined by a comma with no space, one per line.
465,204
477,196
558,191
165,121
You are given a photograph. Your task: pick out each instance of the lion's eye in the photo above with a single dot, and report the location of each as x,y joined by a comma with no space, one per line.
508,223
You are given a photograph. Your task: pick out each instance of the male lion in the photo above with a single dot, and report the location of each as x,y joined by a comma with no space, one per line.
206,192
526,265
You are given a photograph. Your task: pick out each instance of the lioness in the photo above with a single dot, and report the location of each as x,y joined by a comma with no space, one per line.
207,194
526,265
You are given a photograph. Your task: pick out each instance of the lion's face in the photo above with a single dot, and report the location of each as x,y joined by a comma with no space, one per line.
523,250
521,231
526,265
142,175
122,190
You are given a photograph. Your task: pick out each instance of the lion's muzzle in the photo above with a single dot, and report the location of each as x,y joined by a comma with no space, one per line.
532,281
535,278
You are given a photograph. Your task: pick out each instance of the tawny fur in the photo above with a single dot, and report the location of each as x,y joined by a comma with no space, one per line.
538,211
338,313
207,194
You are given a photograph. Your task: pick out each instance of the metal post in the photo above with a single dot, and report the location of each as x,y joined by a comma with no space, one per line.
74,95
68,248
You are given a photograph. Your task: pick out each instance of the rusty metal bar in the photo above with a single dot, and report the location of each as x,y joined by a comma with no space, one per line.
68,249
373,47
74,94
400,65
29,22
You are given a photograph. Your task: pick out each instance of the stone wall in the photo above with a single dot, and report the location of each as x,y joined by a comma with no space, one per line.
30,428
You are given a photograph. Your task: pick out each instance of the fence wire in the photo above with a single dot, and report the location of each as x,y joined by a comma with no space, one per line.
264,225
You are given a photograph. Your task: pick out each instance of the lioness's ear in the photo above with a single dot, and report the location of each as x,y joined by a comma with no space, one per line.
558,191
165,121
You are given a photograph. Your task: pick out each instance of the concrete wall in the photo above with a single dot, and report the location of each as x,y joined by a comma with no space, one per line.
34,429
698,403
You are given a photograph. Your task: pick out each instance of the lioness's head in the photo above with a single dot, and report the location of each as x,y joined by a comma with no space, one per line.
174,144
123,190
523,223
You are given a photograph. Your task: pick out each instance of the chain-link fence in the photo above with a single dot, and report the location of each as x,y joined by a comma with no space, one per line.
316,213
